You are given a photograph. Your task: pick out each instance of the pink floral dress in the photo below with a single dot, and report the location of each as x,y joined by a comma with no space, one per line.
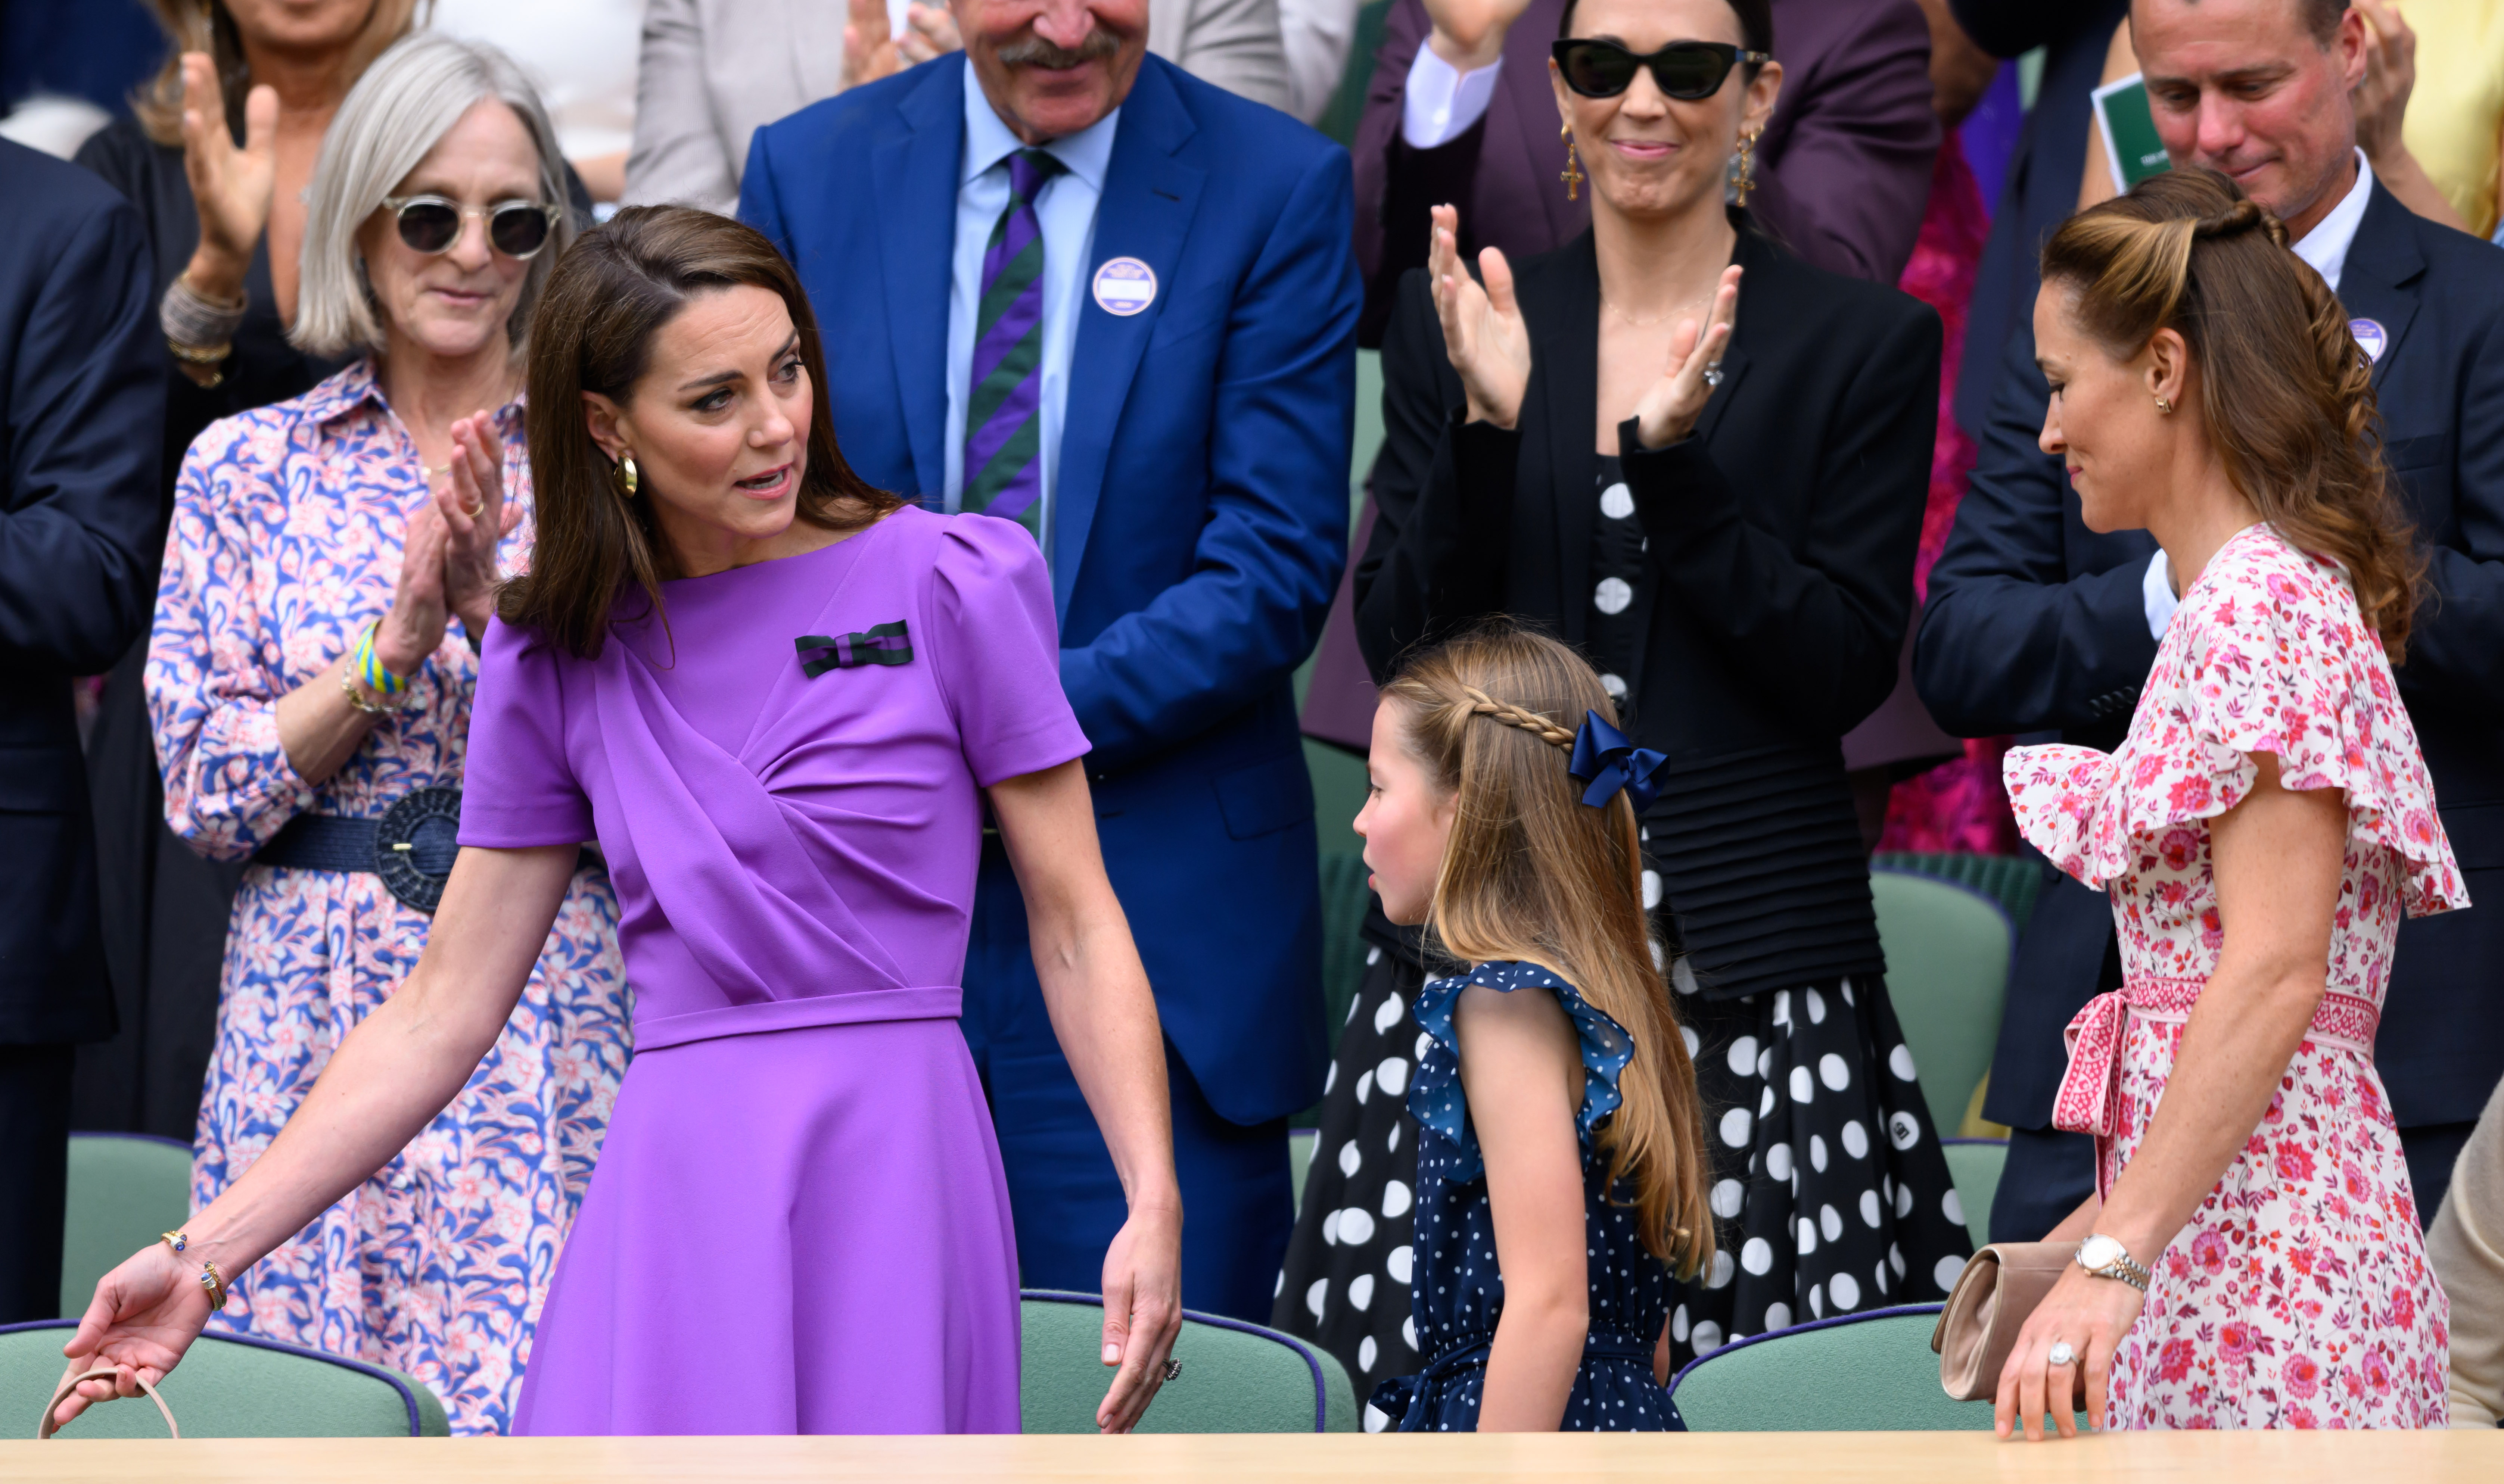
2298,1295
286,543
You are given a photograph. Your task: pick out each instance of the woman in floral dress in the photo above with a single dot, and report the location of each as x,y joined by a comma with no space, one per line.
363,518
2252,1258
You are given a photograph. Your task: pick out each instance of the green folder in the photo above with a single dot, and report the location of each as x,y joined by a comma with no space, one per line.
2131,146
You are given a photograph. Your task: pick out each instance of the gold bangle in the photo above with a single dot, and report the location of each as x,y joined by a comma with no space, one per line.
199,355
177,1240
215,1285
356,695
236,305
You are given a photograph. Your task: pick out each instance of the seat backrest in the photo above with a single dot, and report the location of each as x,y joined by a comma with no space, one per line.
125,1188
1947,953
228,1386
1975,1165
1300,1143
1870,1372
1235,1377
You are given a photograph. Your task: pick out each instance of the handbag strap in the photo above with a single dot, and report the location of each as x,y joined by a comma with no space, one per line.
100,1373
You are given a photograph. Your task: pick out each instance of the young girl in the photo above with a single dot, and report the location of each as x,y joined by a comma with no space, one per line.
1560,1174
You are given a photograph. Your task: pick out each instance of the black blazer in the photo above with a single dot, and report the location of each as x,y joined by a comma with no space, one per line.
2035,625
81,397
1782,534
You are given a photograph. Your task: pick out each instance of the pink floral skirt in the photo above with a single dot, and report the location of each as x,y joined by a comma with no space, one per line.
2299,1295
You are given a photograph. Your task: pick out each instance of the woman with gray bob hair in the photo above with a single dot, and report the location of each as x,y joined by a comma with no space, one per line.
329,575
413,96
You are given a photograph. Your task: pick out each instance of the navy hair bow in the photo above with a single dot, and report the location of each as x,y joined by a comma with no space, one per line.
1606,760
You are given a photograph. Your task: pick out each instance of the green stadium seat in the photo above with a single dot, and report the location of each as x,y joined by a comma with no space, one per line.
125,1189
1870,1372
1975,1164
1300,1143
1237,1377
1948,950
2012,880
228,1386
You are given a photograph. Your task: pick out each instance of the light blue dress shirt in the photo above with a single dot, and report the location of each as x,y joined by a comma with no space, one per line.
1065,209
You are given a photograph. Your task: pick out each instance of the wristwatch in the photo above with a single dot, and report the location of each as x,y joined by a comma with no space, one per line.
2104,1258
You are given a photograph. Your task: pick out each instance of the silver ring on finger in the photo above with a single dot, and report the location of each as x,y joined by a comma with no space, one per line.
2062,1353
1713,374
1173,1368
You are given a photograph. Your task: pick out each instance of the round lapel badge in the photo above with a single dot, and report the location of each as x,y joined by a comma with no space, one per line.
1125,286
2370,337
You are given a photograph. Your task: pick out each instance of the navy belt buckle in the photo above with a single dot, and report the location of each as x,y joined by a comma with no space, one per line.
415,843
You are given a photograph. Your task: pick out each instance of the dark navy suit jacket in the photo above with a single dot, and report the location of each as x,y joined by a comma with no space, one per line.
1199,513
81,396
2036,625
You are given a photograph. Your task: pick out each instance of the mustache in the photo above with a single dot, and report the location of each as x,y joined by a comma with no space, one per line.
1035,52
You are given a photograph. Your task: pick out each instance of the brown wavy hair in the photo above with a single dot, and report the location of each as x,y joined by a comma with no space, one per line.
1531,874
205,25
610,294
2286,392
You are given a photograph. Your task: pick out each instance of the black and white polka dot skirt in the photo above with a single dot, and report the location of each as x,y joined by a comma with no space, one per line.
1345,1283
1831,1194
1830,1189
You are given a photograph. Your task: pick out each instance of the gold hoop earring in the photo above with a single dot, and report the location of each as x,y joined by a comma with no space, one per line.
1573,175
1744,173
628,475
2162,405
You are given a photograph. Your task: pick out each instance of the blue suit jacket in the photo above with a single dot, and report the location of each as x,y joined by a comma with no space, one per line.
2036,625
81,396
1199,509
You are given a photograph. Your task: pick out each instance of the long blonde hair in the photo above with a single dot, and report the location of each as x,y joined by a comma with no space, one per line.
2286,392
1532,874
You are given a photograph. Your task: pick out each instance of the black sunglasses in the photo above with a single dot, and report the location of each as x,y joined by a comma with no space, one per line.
431,224
1684,69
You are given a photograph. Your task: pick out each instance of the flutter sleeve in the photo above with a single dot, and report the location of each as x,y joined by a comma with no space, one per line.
997,650
214,676
519,789
1435,1099
2266,654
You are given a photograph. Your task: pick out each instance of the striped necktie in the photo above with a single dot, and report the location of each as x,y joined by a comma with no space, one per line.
1003,417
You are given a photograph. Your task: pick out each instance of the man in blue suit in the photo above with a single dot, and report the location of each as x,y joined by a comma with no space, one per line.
1064,282
2037,625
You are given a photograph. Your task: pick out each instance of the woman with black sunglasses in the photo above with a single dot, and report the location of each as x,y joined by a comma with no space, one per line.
332,566
1703,462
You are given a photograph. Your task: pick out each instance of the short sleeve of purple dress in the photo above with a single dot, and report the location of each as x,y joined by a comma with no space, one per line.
798,1222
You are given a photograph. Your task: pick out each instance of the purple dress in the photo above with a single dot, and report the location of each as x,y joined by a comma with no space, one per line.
798,1224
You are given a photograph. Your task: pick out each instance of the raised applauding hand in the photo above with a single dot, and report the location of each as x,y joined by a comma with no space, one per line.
476,516
1668,411
872,51
1484,334
232,187
1470,34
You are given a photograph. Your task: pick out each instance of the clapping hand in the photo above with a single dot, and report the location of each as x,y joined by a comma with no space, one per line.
1668,411
930,33
475,515
1470,34
1484,334
231,187
871,50
2381,97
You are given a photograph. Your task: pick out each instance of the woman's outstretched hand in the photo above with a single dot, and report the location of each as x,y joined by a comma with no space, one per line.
1143,1312
476,516
145,1314
232,188
1668,411
1484,334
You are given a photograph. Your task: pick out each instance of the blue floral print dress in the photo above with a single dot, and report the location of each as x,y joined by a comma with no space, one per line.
288,521
1459,1294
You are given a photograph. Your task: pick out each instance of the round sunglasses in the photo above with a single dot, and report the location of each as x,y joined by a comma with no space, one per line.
431,224
1684,69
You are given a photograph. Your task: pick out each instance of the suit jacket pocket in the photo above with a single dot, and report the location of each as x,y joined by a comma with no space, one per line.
1266,797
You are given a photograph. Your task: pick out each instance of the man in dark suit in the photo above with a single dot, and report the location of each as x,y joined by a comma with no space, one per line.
2036,625
1115,303
81,393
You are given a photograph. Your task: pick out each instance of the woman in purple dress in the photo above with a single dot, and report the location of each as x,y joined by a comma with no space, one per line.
780,700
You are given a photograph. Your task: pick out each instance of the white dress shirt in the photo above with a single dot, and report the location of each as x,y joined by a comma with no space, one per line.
1065,209
2325,248
1439,102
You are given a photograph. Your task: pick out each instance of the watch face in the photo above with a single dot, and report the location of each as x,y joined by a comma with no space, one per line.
2099,1252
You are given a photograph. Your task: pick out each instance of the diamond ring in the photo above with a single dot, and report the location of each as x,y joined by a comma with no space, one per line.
2062,1353
1713,375
1173,1368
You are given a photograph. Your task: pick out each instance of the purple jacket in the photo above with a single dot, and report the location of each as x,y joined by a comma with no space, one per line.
1843,170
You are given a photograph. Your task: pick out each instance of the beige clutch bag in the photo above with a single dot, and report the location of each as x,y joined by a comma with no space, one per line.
1978,1325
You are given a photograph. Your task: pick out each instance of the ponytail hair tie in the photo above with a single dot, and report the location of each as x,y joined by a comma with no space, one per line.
1606,760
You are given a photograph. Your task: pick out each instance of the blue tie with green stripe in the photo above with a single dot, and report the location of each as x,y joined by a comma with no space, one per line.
1004,414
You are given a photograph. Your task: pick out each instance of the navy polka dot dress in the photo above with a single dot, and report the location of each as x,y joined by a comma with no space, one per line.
1458,1292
